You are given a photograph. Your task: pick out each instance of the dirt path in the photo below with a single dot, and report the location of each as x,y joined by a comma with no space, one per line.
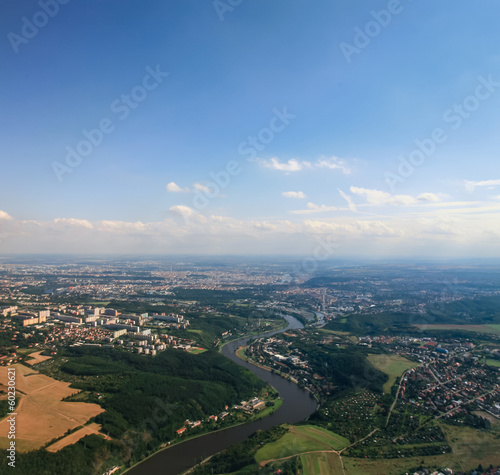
331,451
396,398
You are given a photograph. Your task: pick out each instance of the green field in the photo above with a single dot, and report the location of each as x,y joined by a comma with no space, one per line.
358,466
495,363
267,410
494,328
392,365
197,351
240,353
300,439
347,335
327,462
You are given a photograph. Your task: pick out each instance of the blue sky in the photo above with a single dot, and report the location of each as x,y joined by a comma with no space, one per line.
334,94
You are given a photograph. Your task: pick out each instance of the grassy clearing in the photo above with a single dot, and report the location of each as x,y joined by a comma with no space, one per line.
358,466
300,439
495,363
473,328
240,353
197,351
347,335
392,365
25,351
266,411
494,421
472,447
327,462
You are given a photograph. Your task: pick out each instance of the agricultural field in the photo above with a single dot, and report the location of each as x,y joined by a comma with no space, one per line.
325,462
299,440
41,413
76,436
38,358
392,365
362,466
494,328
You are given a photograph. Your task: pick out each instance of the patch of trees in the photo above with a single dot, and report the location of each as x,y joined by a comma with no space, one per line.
348,369
374,324
157,395
83,458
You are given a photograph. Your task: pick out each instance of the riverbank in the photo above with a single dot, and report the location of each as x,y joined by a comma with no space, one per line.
296,405
240,354
267,411
221,344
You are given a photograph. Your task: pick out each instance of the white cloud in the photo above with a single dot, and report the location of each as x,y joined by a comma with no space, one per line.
377,197
294,194
81,223
374,197
174,188
200,187
428,197
471,186
346,197
122,227
182,210
4,215
332,163
314,208
295,165
425,228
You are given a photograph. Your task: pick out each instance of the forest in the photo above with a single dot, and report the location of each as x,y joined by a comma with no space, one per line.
146,401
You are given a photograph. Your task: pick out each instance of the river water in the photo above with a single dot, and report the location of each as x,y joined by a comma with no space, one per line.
298,404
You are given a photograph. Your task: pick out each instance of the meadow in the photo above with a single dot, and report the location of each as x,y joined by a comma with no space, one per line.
392,365
299,440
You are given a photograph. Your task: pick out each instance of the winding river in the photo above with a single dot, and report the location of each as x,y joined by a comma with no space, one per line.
297,406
